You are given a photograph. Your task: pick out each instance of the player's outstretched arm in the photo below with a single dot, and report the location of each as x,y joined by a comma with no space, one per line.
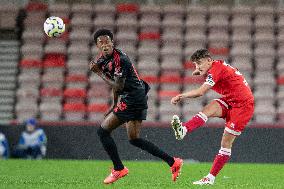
191,94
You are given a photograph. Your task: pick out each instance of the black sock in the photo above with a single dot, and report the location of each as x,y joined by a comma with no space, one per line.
110,147
152,149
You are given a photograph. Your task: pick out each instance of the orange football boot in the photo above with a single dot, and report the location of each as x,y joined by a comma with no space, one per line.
176,168
115,175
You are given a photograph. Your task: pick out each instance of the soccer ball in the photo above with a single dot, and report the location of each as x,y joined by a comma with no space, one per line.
54,26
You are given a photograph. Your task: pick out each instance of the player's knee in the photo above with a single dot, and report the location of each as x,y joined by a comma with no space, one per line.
213,109
102,132
226,144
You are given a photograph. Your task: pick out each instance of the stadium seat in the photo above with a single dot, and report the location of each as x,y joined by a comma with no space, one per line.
74,95
150,18
51,95
82,9
26,110
99,96
97,111
74,111
173,11
81,21
218,21
50,111
80,36
27,95
61,10
76,81
52,79
8,15
261,115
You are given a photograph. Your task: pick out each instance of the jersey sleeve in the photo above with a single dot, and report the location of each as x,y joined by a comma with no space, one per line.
214,75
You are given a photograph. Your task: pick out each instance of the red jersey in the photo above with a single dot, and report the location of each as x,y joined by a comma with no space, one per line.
230,83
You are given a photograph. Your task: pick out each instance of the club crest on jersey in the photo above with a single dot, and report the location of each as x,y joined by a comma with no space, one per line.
209,80
232,125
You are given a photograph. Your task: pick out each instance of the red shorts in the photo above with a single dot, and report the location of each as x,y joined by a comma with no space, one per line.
236,117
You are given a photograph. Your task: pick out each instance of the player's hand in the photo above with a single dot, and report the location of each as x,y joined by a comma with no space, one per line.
196,72
94,67
176,99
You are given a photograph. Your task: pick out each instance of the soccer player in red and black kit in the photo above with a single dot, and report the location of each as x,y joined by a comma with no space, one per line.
129,105
236,106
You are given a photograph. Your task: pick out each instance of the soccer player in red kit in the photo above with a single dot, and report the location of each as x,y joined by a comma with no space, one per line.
236,106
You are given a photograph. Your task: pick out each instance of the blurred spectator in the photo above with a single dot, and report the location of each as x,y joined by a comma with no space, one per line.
4,147
32,143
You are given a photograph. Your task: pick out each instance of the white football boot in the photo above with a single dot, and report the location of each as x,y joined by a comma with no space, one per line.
180,131
205,181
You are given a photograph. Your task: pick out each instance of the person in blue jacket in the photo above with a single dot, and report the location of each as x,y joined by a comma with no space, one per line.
4,147
32,143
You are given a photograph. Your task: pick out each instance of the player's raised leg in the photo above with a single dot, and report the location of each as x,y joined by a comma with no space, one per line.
104,132
220,160
133,130
213,109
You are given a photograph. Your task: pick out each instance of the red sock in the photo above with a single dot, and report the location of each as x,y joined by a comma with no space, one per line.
220,160
197,121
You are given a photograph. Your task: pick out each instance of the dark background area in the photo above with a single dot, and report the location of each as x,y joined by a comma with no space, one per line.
81,142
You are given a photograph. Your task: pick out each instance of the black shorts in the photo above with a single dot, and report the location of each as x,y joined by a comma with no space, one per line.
133,106
128,109
130,115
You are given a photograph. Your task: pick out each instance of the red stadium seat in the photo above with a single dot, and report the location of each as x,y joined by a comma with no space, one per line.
167,94
219,51
170,79
280,80
149,36
53,63
36,6
98,107
74,93
51,92
76,78
150,78
30,63
74,111
54,60
127,8
188,65
57,56
74,107
76,81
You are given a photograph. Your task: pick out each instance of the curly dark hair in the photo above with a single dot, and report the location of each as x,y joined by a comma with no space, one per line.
102,32
200,53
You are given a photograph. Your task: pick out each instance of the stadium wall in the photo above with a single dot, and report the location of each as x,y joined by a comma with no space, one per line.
81,142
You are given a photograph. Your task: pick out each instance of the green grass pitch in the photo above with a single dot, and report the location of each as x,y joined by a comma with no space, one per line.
142,174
